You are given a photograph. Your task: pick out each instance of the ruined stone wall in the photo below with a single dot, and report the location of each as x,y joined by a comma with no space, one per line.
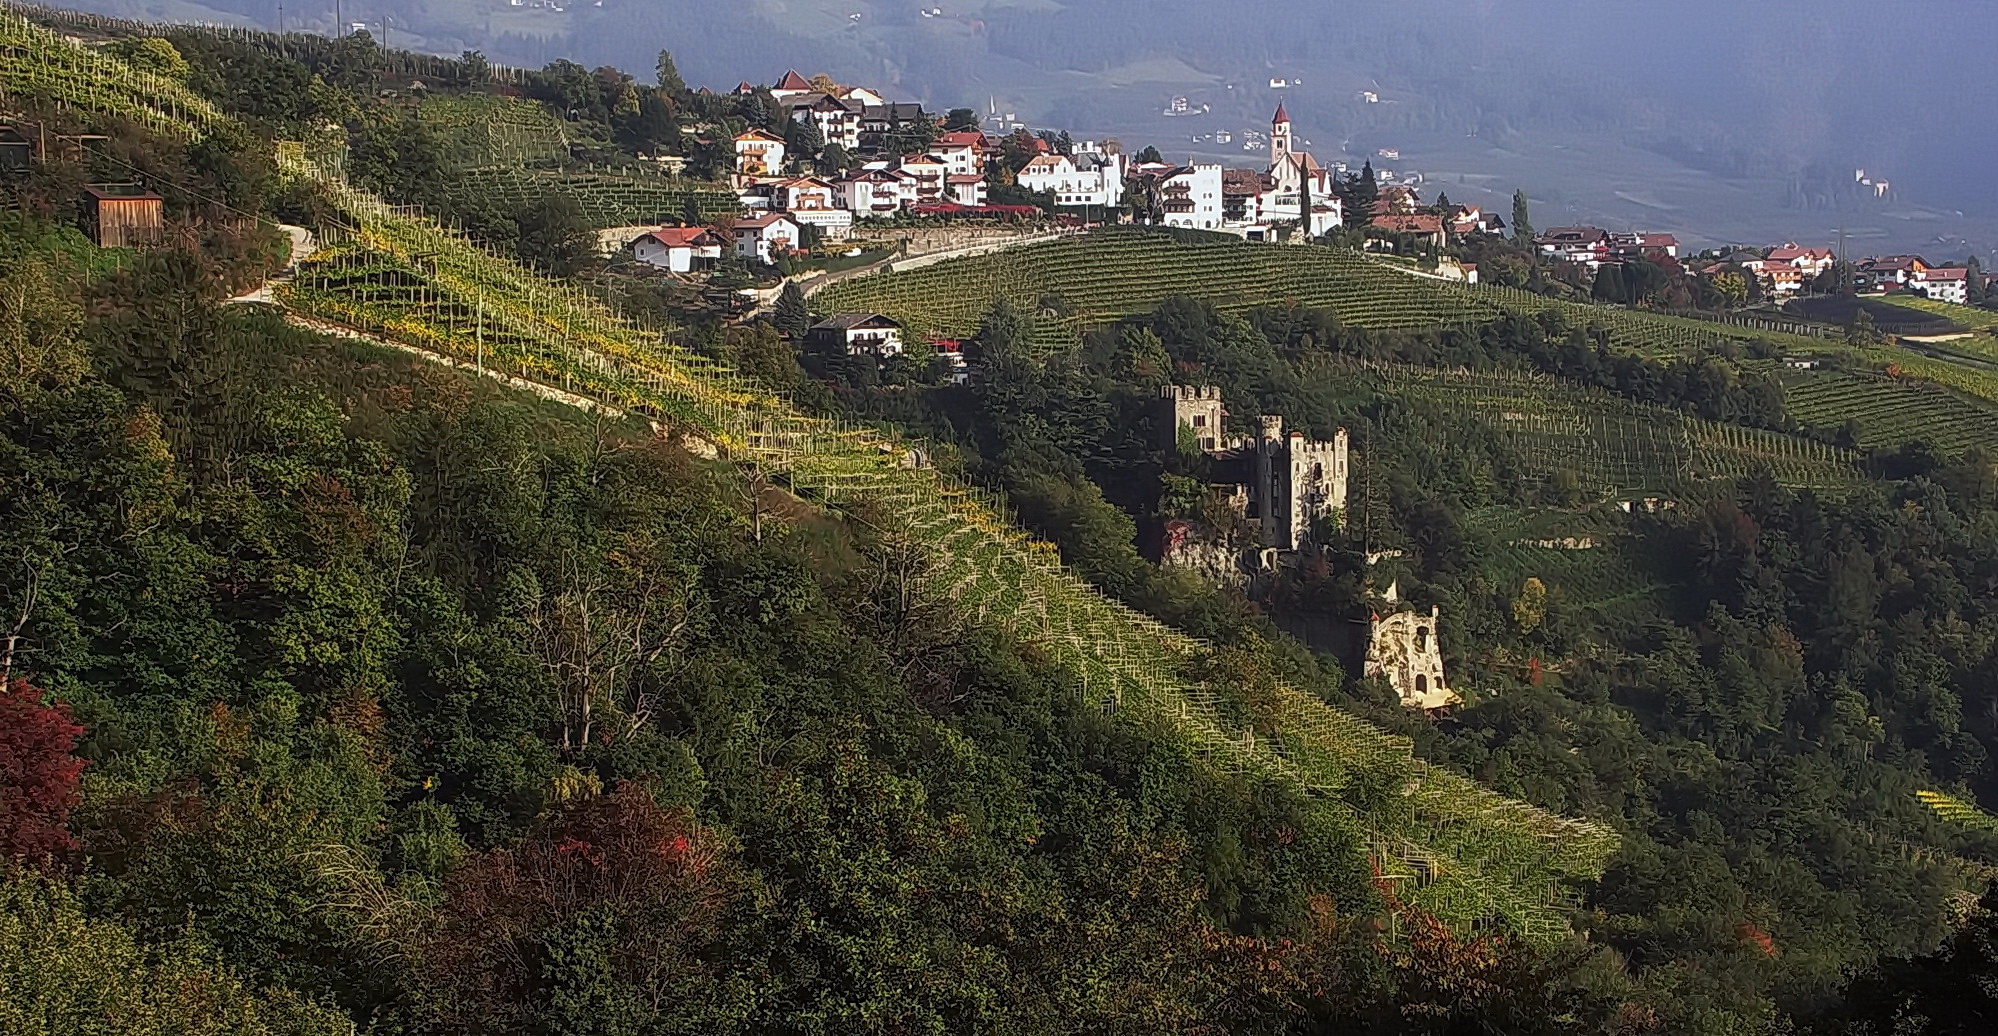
1405,648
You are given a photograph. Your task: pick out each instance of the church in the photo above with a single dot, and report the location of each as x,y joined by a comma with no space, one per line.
1296,176
1253,200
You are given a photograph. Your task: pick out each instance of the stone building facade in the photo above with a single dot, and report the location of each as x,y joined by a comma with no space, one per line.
1197,409
1299,481
1291,482
1404,647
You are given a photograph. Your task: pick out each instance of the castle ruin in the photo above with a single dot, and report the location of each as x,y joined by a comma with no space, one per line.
1404,647
1292,482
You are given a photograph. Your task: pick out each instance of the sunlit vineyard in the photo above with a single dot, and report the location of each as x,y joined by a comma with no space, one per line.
1967,317
1889,411
1613,446
1121,272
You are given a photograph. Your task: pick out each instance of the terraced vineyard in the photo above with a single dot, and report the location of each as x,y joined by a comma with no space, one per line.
495,132
1122,272
1466,852
38,66
1889,411
607,200
1653,334
1588,572
515,152
1460,850
1614,446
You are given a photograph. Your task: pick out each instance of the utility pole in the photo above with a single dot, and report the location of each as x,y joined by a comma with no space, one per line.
337,23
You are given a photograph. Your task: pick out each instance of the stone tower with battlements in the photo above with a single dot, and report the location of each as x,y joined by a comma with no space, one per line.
1298,482
1197,409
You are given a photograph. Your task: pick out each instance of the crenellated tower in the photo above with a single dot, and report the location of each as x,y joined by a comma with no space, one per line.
1196,408
1298,481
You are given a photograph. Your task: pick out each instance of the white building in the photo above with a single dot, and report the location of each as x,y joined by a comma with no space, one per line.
963,152
929,177
678,249
1293,176
876,193
857,333
967,190
1945,284
813,202
1087,178
1184,196
766,237
759,153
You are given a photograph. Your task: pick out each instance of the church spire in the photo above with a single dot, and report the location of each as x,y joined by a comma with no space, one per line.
1279,136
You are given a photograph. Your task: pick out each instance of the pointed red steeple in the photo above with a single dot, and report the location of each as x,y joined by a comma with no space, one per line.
1281,116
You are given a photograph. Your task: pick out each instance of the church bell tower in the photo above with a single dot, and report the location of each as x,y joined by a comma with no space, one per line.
1279,136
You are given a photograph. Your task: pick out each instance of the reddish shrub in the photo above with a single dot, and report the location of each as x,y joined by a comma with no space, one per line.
37,773
665,880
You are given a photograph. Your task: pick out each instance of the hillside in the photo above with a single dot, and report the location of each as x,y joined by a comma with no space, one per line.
444,649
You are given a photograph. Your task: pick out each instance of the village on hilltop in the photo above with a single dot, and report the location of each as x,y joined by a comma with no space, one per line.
832,160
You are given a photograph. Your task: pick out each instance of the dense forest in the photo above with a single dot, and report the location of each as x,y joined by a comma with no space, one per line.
346,692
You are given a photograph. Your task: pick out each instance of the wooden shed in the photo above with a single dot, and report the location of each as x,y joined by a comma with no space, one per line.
16,150
122,216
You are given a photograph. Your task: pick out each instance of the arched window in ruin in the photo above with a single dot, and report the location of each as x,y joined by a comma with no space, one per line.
1421,638
1421,684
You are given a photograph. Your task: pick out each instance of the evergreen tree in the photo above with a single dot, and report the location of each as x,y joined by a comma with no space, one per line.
792,317
668,74
1522,220
1443,202
1610,286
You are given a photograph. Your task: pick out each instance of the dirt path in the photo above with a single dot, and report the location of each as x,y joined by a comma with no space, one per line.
302,244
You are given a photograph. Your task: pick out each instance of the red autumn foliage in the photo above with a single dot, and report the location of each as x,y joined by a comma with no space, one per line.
1534,673
37,773
667,881
1753,935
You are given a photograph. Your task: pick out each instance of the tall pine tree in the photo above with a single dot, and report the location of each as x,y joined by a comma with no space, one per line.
1522,220
791,316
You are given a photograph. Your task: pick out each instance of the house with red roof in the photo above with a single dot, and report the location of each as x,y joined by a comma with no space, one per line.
1944,284
678,249
1888,272
1586,245
963,151
764,238
1422,228
791,85
1789,269
966,189
1466,220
